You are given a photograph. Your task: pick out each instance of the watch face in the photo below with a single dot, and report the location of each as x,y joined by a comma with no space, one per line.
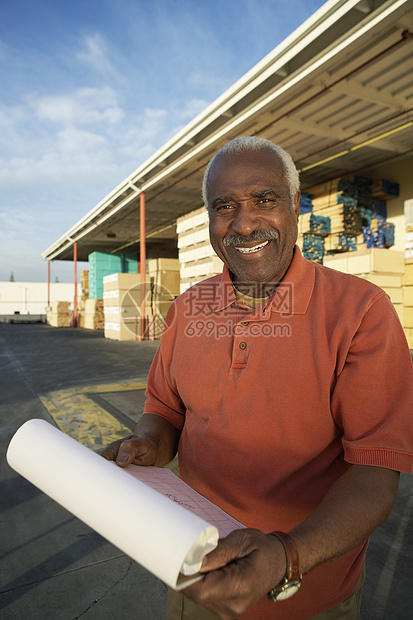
286,590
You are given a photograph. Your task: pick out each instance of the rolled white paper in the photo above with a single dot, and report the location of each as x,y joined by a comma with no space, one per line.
156,532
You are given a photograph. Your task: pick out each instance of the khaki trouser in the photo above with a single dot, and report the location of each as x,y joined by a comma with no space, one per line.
182,608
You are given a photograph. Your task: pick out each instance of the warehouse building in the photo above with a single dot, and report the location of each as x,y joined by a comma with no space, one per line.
23,302
337,94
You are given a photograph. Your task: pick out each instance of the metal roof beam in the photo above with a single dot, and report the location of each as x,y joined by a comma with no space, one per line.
371,95
365,7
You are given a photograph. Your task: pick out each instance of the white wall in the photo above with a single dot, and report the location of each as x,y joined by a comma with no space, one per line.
31,297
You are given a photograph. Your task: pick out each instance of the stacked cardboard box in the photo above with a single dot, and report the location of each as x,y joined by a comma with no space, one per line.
121,306
93,314
122,301
196,256
163,273
84,295
84,282
58,315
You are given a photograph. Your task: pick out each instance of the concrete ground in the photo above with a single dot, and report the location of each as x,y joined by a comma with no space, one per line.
52,566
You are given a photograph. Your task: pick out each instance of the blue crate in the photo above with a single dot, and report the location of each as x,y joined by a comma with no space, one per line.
347,243
389,188
313,242
320,224
103,264
379,208
306,204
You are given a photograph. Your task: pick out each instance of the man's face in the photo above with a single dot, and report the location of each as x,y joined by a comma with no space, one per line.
253,225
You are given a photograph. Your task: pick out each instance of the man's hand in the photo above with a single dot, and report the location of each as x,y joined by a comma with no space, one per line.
248,564
155,442
131,449
242,569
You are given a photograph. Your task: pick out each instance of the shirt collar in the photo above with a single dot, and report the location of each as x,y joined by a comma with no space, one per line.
292,295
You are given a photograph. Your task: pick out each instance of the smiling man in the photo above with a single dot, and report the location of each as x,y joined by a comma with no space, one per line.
286,388
253,216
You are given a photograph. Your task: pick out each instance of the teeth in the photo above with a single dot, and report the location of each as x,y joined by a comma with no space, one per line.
255,248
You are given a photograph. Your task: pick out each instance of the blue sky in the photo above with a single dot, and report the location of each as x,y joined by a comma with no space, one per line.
89,89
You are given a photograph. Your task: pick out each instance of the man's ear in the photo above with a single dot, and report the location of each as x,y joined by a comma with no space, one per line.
297,204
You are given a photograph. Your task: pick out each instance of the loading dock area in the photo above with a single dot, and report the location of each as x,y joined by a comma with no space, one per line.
336,94
54,567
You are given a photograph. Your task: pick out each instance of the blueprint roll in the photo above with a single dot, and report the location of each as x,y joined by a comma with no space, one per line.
159,534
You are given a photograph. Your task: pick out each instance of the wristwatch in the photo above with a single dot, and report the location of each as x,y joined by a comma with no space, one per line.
292,580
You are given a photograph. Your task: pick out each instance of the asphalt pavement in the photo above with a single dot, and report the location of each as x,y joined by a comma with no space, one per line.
52,566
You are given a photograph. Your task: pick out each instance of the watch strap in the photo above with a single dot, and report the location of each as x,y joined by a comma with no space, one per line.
291,554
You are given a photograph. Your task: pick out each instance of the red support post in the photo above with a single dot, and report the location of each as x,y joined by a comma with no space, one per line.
142,260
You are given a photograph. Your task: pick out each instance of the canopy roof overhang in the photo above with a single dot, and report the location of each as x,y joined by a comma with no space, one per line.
337,94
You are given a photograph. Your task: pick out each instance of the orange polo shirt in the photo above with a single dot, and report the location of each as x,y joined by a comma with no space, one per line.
273,401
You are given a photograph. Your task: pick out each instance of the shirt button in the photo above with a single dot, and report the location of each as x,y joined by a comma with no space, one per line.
245,323
243,345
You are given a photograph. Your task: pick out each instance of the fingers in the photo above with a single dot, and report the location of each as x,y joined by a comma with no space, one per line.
242,569
235,546
132,449
226,592
128,451
110,452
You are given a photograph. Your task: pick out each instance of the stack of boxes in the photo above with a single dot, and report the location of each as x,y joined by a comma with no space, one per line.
312,230
196,256
359,235
102,264
163,287
122,300
164,273
357,214
93,314
121,306
58,315
84,284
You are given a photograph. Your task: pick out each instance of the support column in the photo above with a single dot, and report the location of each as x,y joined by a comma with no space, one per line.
142,259
75,313
48,283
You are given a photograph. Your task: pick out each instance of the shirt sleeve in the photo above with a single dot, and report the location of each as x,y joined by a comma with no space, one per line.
372,401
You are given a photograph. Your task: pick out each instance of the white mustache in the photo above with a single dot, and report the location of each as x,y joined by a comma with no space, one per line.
256,236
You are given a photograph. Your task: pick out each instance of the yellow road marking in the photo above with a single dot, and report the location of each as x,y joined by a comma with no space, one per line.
77,415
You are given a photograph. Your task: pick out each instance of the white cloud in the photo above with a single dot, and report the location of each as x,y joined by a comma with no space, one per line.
12,120
53,139
78,145
84,106
94,54
22,219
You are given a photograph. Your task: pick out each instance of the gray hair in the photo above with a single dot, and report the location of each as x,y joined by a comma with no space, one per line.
246,144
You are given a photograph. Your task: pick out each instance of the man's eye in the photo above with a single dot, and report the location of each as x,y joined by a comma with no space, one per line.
266,201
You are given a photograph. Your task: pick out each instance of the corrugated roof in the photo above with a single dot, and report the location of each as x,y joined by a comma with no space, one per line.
337,94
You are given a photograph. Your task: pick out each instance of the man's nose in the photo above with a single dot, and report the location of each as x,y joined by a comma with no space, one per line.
245,221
